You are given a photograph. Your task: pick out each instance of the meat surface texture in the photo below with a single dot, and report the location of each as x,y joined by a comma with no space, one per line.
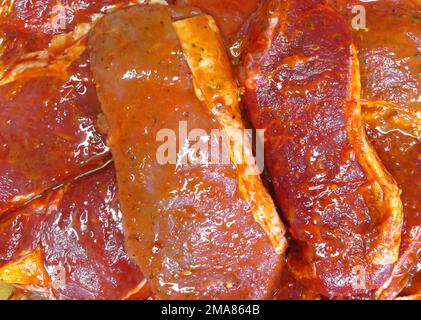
391,105
301,79
209,231
230,15
83,241
188,224
69,244
48,131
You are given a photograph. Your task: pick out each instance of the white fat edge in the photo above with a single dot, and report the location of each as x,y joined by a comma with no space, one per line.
263,208
44,58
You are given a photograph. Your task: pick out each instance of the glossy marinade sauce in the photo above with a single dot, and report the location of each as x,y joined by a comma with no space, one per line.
77,229
391,104
49,131
391,92
302,86
187,226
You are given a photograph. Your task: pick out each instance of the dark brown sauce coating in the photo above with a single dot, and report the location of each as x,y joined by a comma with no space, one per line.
301,88
187,226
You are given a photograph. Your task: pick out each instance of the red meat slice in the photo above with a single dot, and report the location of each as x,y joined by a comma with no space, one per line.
83,234
302,85
79,230
391,88
191,228
49,16
48,132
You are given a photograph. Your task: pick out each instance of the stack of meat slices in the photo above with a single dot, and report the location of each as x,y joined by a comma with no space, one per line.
68,217
60,224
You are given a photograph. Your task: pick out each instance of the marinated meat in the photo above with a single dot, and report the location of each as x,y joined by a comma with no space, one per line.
51,113
391,92
70,244
302,85
48,130
83,242
188,224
